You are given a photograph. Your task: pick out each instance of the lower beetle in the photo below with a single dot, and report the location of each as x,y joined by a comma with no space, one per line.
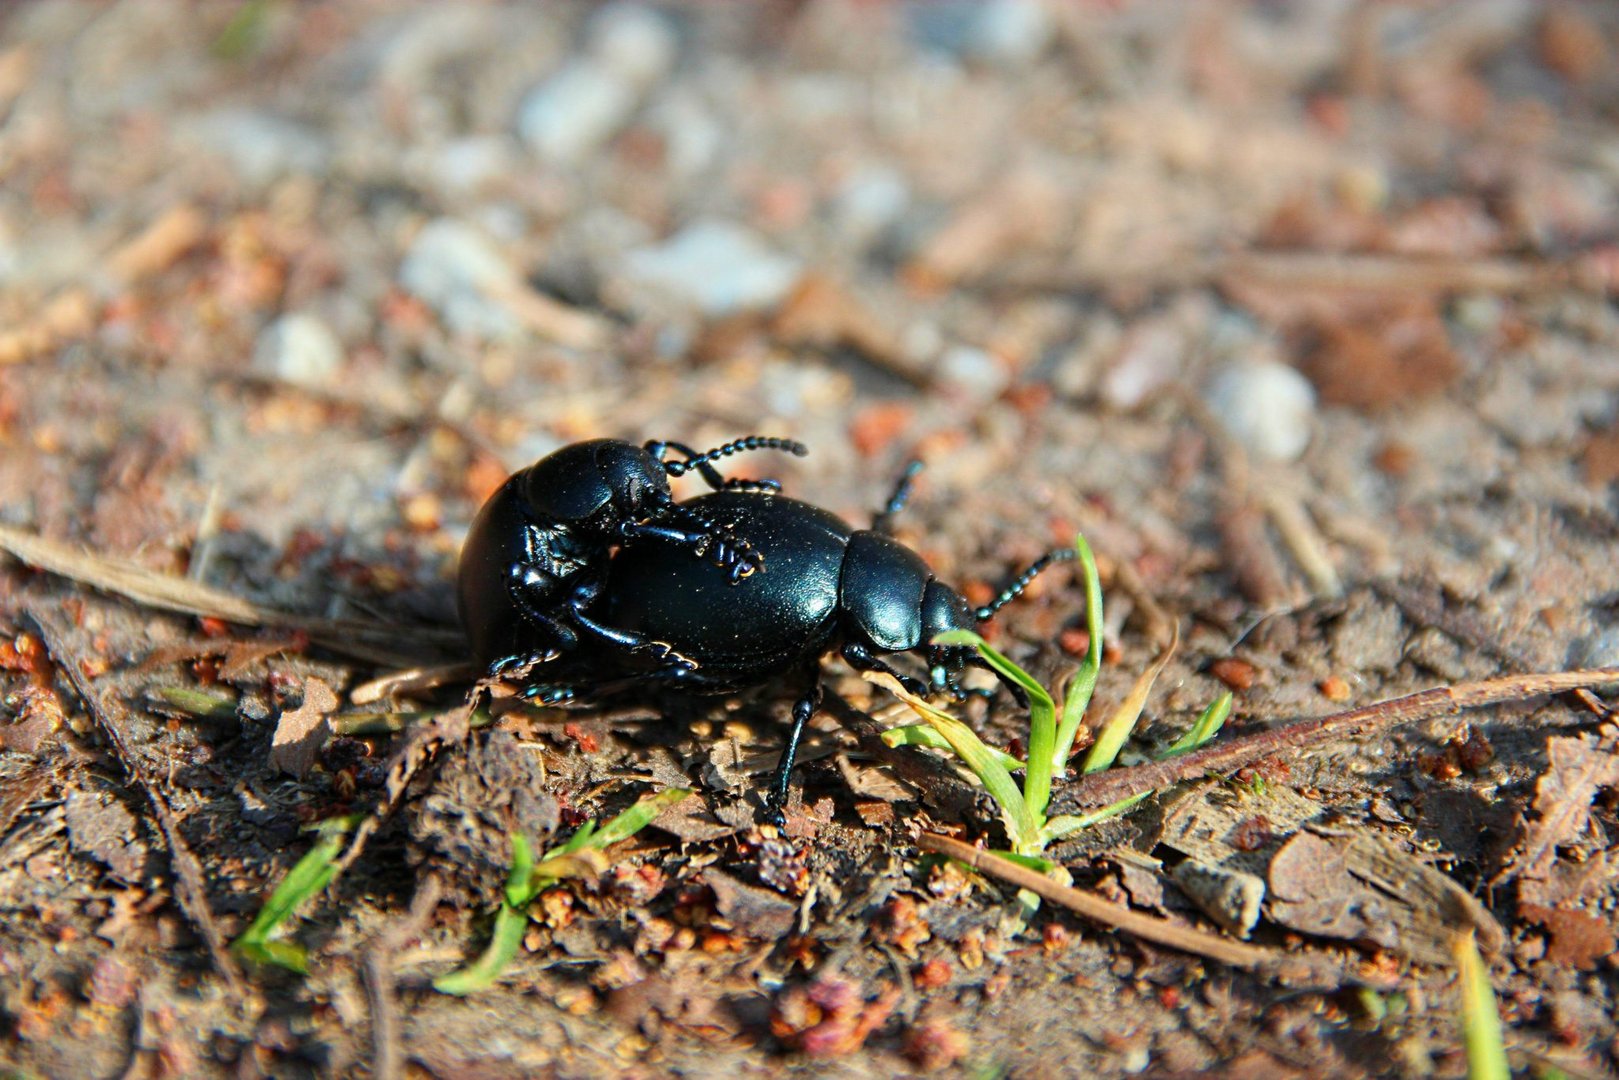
830,586
535,556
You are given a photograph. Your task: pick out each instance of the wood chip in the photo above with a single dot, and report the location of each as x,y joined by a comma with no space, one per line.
300,733
757,912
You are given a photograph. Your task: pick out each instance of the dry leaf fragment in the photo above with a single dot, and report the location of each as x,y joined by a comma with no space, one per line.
299,734
691,822
757,912
1312,891
107,832
1576,767
1578,940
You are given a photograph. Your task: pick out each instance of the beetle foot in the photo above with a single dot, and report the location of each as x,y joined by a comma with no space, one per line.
517,666
914,686
549,695
662,650
736,555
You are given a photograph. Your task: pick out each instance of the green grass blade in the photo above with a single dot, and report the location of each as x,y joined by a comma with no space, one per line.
1204,728
926,735
1021,826
307,879
1042,718
1481,1020
528,879
1067,824
574,842
1117,728
637,817
1038,863
1077,694
997,660
519,887
481,974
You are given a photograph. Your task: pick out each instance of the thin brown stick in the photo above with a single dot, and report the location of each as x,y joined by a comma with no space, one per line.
190,881
171,593
1308,269
1099,789
1093,907
413,680
388,1059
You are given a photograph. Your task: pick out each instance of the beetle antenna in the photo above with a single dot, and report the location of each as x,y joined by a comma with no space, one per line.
884,521
737,446
680,468
1021,582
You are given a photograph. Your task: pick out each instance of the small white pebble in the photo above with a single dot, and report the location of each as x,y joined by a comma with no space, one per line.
464,165
634,42
1268,407
1600,650
717,267
452,268
692,138
871,200
299,349
572,114
1010,31
262,146
971,373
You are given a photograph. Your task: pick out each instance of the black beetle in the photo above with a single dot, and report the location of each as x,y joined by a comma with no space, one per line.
536,554
830,586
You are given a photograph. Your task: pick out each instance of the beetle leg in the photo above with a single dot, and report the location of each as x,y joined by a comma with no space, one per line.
531,590
1017,692
550,695
634,643
860,658
704,537
628,640
803,709
884,521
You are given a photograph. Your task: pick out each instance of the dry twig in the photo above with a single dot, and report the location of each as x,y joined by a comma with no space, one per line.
1099,789
167,592
190,880
388,1062
1146,927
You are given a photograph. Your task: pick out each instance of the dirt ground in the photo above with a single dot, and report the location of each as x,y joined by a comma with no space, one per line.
1302,313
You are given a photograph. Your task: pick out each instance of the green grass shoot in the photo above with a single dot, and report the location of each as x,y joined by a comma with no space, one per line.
584,855
1052,732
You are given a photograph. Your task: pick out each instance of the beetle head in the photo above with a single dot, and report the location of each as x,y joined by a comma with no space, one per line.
945,609
595,485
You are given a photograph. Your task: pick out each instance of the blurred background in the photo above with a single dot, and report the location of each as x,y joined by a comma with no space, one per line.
306,281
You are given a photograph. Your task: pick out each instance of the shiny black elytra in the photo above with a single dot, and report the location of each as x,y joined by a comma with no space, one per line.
829,586
537,553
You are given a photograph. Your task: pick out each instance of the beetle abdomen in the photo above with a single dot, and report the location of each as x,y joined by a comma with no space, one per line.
741,632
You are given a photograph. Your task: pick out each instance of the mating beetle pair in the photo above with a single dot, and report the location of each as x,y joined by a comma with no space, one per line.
545,597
